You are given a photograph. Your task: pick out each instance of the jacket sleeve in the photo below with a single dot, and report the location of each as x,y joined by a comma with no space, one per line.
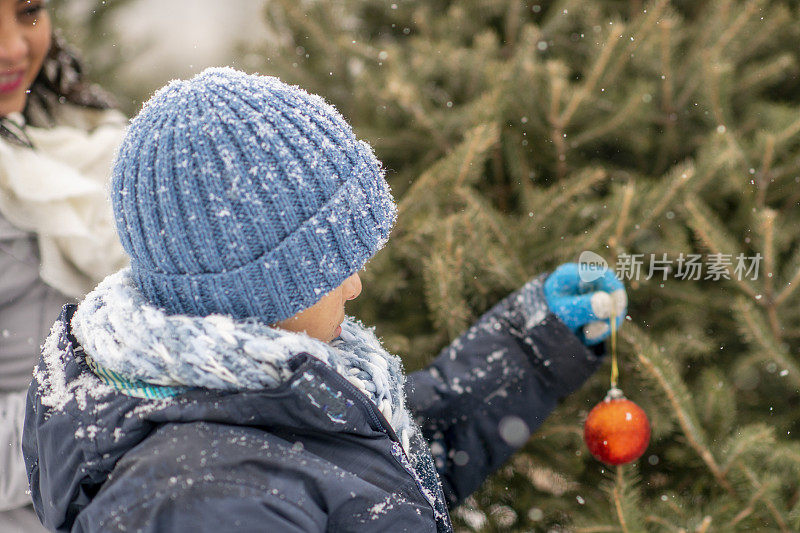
13,477
482,397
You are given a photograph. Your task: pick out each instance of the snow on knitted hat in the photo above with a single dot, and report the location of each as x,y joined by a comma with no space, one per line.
241,195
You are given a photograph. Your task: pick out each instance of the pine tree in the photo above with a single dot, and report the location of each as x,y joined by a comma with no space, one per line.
519,134
89,27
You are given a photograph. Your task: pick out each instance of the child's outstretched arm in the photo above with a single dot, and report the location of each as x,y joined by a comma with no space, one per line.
495,384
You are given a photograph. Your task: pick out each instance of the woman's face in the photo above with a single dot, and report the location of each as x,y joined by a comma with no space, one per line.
24,42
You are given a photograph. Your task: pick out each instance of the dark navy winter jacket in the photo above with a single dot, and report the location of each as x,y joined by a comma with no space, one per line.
268,461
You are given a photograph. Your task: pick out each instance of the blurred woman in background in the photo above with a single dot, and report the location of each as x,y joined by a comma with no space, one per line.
58,136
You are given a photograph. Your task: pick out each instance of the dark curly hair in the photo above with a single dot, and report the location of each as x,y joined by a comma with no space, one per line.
60,81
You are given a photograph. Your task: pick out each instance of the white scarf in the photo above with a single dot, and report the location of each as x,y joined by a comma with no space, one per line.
58,190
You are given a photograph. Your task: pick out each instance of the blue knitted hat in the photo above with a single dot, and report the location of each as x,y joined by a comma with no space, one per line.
242,195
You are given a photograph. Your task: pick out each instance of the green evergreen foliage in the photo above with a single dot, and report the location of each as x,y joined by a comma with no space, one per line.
90,28
518,134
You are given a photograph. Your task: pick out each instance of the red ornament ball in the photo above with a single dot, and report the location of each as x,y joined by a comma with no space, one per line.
617,430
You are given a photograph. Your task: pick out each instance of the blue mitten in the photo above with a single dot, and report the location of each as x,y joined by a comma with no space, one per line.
585,306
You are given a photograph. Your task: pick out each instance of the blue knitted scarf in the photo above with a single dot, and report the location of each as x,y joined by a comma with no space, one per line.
128,341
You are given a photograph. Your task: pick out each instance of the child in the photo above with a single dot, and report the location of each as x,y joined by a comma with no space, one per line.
217,385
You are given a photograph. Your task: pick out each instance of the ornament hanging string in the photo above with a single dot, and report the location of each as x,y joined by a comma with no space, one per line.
614,367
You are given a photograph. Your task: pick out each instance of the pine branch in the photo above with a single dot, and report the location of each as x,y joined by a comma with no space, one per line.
618,506
792,284
788,133
721,156
641,33
713,73
763,179
763,74
768,228
593,240
483,137
624,211
462,165
484,215
599,67
704,525
556,196
761,31
676,178
664,374
512,21
544,479
627,499
756,332
444,288
705,227
608,125
717,403
750,9
706,51
559,429
667,95
749,439
557,75
304,24
747,511
785,457
663,522
762,494
794,516
403,93
483,108
557,80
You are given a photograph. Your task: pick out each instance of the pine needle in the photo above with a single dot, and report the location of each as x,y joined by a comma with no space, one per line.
756,331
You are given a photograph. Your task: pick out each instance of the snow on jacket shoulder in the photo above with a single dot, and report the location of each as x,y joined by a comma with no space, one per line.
99,460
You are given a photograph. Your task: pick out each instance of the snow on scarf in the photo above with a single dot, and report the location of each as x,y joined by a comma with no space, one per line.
121,332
